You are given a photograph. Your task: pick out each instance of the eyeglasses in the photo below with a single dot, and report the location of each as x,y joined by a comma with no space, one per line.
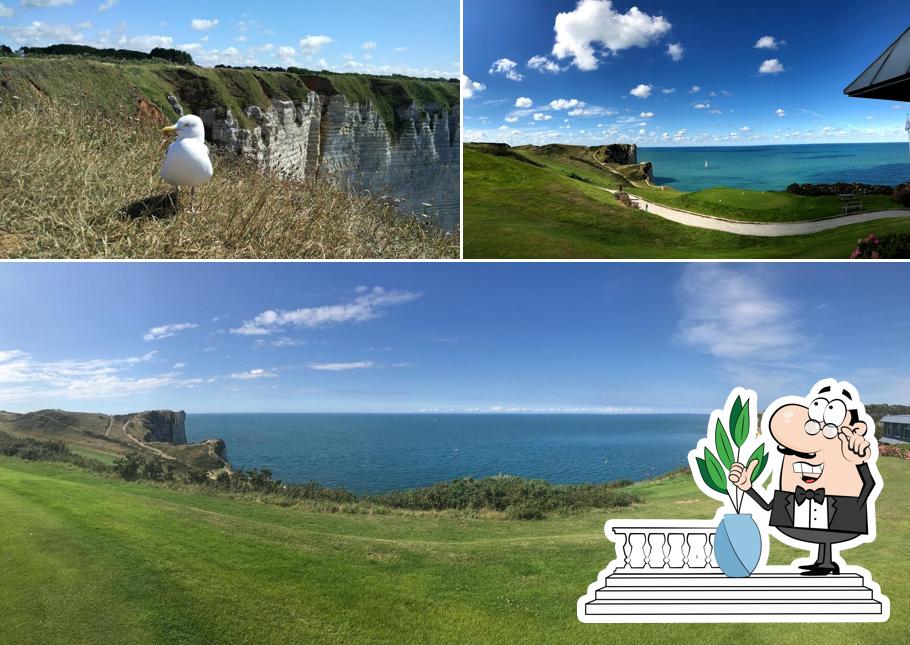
814,427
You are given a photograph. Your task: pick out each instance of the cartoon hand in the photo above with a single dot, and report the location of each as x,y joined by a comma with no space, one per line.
854,446
742,477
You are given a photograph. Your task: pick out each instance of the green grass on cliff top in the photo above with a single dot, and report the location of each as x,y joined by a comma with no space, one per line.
87,559
112,86
516,210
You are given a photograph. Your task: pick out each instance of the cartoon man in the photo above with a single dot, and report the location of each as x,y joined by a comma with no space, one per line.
826,479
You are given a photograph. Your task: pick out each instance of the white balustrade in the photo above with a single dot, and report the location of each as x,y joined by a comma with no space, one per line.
644,547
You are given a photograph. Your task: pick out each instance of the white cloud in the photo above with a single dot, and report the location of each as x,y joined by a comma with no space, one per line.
592,111
566,104
641,91
203,24
149,42
780,112
40,34
286,54
675,51
745,128
46,3
695,89
166,331
512,119
732,313
702,106
180,366
646,115
369,45
543,65
364,307
342,367
771,66
253,375
6,12
523,102
595,22
668,90
399,50
507,68
542,117
469,88
287,342
312,45
107,4
769,42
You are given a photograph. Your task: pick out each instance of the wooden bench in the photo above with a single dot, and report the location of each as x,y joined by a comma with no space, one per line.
849,203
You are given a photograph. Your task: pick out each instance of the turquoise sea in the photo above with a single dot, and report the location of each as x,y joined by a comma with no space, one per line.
776,167
370,453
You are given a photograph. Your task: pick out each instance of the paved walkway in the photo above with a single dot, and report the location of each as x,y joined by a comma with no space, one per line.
770,229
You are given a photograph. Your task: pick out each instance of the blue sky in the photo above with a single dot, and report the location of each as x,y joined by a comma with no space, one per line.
405,36
676,72
444,337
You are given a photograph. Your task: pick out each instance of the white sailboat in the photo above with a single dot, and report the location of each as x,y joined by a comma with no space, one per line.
706,161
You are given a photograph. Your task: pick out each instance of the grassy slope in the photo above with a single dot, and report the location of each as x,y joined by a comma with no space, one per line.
80,183
729,203
516,210
85,557
118,86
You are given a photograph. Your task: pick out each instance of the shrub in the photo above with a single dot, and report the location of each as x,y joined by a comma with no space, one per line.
525,511
895,246
901,194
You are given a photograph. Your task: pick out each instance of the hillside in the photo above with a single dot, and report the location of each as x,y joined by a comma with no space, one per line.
87,556
558,206
157,432
306,165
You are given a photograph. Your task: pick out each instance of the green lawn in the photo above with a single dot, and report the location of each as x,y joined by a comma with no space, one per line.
516,210
84,559
729,203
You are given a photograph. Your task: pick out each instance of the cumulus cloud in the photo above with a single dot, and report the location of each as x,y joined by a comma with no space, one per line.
6,12
369,45
166,331
702,106
771,66
539,116
595,22
312,45
641,91
780,112
366,306
695,89
107,4
40,34
469,88
543,65
203,24
46,3
566,104
511,119
668,90
507,68
769,42
523,102
646,115
675,51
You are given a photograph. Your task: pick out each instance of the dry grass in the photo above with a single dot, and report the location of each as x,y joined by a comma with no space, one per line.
77,184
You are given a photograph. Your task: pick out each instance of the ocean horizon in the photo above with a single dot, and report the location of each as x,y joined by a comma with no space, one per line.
774,167
372,452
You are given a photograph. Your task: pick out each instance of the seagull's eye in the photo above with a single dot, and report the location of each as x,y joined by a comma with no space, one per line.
817,409
835,413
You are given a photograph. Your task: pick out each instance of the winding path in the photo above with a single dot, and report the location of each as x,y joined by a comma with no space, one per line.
770,229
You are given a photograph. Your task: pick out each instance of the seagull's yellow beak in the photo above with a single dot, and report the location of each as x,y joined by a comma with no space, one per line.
169,129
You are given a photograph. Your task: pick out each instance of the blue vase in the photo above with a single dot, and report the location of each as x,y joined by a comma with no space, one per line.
737,545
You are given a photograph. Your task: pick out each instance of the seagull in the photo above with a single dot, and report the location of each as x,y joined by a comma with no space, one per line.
187,161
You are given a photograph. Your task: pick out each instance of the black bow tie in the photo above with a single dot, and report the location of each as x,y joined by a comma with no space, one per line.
802,495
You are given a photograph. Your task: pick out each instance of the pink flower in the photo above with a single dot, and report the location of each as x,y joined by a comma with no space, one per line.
875,255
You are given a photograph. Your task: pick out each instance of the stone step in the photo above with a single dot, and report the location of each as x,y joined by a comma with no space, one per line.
730,609
809,594
718,579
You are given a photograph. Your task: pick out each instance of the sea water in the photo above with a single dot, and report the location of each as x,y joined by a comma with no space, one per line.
370,453
776,167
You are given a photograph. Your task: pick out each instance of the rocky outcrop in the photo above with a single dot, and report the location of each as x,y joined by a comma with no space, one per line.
161,426
625,154
331,138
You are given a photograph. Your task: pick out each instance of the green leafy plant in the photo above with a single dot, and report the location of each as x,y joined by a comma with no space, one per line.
714,471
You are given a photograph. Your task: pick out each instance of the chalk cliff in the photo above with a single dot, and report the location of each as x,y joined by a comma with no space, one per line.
336,139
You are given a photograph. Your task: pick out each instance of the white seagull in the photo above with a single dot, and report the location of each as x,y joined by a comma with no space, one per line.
187,162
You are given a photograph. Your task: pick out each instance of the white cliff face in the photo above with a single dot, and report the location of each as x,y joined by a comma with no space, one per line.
334,139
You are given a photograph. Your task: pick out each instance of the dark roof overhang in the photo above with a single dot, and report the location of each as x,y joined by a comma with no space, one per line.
888,77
